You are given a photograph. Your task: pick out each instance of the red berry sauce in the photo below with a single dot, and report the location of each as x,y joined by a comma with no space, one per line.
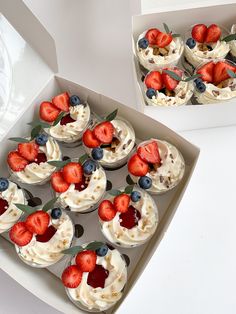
3,206
48,234
97,277
82,185
66,119
130,218
40,158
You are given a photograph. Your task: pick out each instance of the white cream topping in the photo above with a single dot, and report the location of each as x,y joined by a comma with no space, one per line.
73,131
154,62
233,42
13,195
139,234
39,174
80,201
41,254
103,298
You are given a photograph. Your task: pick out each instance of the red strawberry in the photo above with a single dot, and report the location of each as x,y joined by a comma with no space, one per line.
72,172
150,153
16,162
38,222
154,80
48,234
58,183
62,102
72,276
90,140
104,132
20,235
163,39
121,202
48,112
206,72
151,35
168,81
213,34
106,210
86,260
28,150
137,166
199,32
220,71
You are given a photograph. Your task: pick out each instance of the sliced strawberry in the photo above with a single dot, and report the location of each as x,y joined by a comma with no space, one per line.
16,162
48,234
72,276
28,150
163,39
48,112
86,260
121,202
72,172
206,72
20,235
154,80
104,132
150,153
151,35
106,210
62,101
58,183
38,222
90,140
199,32
137,166
213,33
168,81
66,119
220,71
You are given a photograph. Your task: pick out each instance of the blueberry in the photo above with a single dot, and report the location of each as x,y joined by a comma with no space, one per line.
97,153
41,139
102,251
201,87
4,184
143,43
145,182
151,92
191,43
197,81
89,166
135,196
74,100
56,213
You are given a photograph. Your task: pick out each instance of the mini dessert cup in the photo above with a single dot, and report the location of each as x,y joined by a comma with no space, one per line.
175,93
10,193
29,163
157,166
132,224
98,286
233,44
85,195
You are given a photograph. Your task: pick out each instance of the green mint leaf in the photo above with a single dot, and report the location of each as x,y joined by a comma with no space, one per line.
58,119
35,131
229,38
166,28
83,158
193,77
173,75
49,204
58,163
114,192
73,250
97,117
176,35
19,139
93,246
25,208
112,115
39,122
231,73
129,189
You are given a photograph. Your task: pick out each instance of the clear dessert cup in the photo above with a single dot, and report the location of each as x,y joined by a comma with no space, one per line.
134,227
233,44
221,92
192,58
89,296
116,154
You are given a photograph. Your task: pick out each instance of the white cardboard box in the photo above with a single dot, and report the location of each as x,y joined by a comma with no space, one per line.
190,116
45,283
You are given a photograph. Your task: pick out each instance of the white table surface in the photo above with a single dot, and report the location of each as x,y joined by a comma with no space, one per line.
193,269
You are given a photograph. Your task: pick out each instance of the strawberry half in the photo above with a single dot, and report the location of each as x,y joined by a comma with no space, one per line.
38,222
220,71
163,39
137,166
106,210
168,81
90,140
86,260
28,150
154,80
121,202
104,132
199,32
206,72
150,153
213,34
72,172
58,183
20,235
151,35
48,112
16,162
62,101
72,276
